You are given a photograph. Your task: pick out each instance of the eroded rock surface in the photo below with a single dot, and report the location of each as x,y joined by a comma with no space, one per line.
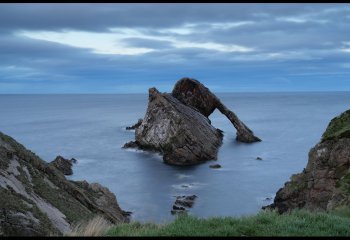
183,135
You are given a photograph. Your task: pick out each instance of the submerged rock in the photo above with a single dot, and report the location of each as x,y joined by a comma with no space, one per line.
63,165
36,199
183,135
215,166
177,124
324,183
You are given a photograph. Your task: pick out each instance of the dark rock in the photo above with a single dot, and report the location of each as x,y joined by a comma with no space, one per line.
192,93
178,208
37,200
182,134
258,158
215,166
126,213
177,124
323,184
63,165
185,201
136,125
131,144
182,203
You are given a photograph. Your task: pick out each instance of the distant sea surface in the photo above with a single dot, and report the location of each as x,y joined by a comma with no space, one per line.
91,128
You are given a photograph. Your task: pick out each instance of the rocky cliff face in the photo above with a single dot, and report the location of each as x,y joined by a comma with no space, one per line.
325,182
36,198
177,124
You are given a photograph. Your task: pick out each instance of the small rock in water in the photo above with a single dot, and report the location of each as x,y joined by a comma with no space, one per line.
131,144
136,125
183,202
175,207
126,213
215,166
258,158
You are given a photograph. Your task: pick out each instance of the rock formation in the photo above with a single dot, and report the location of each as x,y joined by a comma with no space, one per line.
183,135
63,165
36,199
177,124
182,203
192,93
325,182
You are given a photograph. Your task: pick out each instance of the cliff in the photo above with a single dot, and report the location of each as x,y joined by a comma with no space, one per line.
36,198
325,182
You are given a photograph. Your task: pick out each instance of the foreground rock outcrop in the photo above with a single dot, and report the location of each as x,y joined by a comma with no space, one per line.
36,198
177,124
325,182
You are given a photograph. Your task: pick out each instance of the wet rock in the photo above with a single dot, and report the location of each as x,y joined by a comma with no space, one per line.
215,166
136,125
178,208
182,203
131,144
185,201
127,213
64,165
259,158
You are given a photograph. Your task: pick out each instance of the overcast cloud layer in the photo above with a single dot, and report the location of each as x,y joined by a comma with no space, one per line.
123,48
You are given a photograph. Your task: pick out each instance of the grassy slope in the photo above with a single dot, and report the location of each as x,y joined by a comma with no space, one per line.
338,127
265,223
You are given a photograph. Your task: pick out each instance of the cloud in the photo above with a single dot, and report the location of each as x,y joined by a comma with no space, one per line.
121,47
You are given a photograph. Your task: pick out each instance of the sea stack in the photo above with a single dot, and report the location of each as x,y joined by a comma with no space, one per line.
177,124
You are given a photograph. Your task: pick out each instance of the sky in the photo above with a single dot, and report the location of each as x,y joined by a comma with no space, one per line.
128,48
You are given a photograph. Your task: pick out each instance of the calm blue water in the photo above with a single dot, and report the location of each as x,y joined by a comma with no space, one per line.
90,128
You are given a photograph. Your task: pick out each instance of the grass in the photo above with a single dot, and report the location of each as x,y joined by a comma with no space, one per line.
265,223
339,127
95,227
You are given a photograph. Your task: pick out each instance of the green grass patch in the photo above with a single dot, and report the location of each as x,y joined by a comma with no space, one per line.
265,223
339,127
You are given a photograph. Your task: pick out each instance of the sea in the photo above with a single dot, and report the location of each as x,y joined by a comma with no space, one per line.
91,129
